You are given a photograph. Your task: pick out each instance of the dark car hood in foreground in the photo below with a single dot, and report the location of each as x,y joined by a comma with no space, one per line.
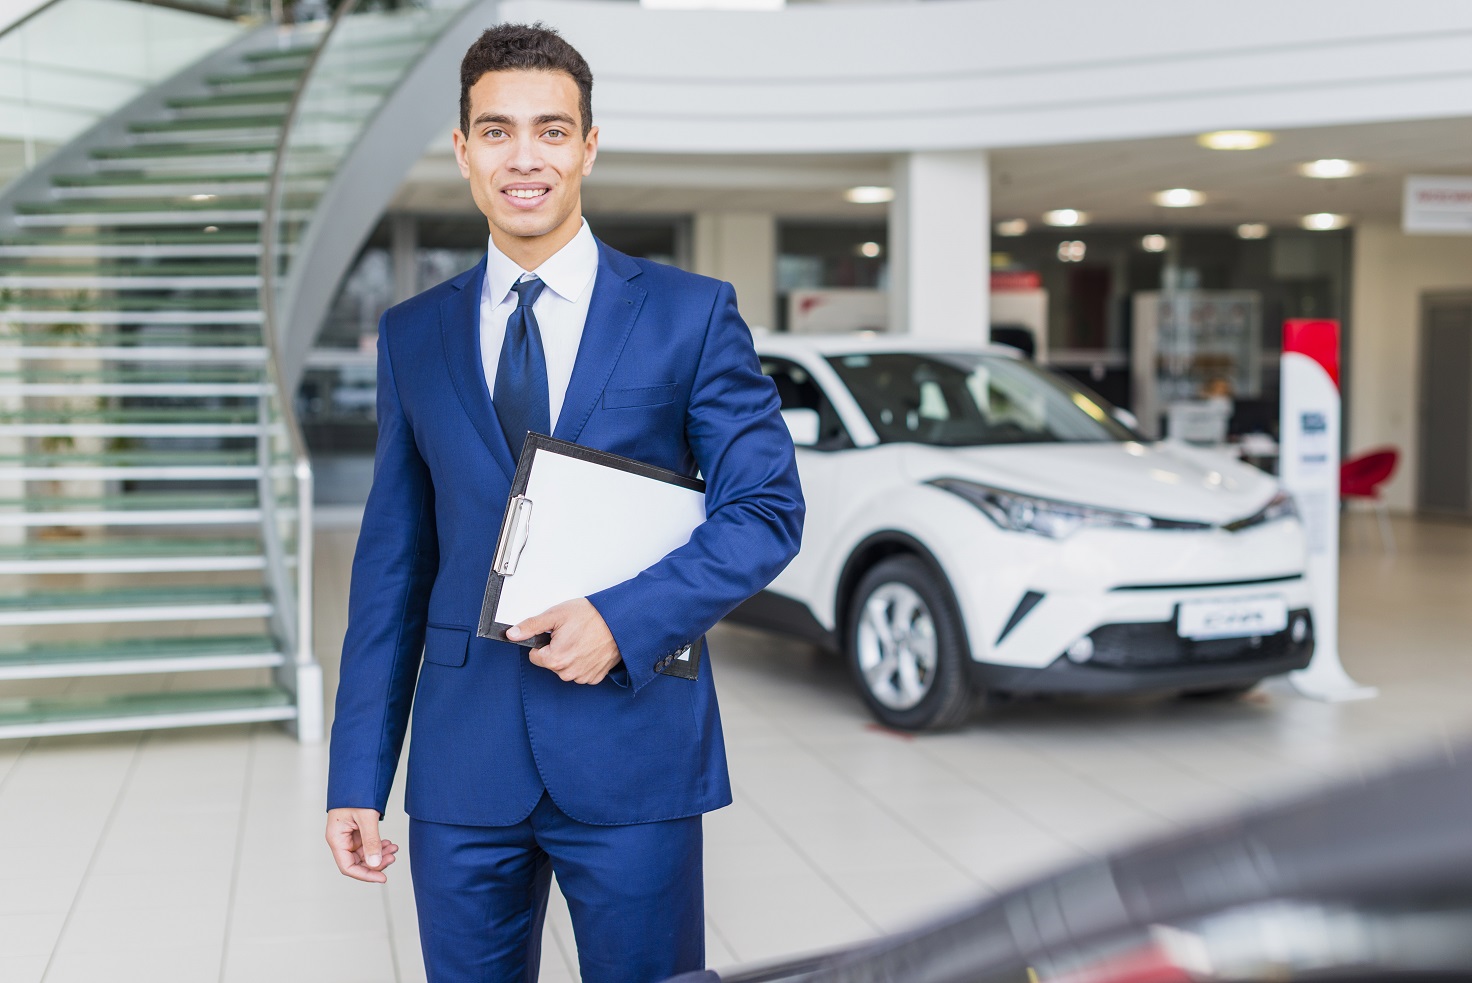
1370,880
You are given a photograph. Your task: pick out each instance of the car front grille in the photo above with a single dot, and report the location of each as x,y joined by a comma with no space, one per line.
1145,645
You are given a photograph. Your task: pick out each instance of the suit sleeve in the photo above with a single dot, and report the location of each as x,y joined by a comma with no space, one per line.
393,570
754,506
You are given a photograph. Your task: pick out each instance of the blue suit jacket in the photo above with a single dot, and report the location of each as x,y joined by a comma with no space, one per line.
665,373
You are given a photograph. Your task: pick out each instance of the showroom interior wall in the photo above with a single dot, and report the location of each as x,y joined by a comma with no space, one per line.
1391,272
741,247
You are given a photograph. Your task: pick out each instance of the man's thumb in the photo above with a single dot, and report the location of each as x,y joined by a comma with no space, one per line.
372,847
535,625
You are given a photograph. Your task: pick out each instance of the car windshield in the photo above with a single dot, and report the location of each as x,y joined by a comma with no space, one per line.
967,400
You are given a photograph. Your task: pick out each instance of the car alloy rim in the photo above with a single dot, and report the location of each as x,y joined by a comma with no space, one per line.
896,646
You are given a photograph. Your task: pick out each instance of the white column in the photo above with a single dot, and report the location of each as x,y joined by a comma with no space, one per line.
940,245
741,247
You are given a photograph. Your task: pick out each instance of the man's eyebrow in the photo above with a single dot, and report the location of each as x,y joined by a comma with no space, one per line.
546,118
492,118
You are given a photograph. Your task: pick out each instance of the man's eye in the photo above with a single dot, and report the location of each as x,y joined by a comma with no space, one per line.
494,133
554,133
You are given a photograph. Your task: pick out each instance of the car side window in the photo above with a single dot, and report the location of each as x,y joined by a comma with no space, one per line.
798,391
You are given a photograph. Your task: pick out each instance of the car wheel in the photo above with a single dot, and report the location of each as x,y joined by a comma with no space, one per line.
1221,693
906,649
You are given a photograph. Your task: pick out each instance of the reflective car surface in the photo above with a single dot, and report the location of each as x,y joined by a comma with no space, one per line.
1368,881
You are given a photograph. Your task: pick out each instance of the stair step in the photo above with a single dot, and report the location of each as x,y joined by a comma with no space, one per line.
44,717
285,73
117,314
219,100
135,465
251,216
180,375
132,501
185,150
201,354
130,554
240,413
140,655
190,204
193,124
167,335
220,134
174,430
125,267
132,605
142,281
33,299
188,390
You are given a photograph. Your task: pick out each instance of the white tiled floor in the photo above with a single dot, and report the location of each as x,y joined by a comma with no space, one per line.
197,855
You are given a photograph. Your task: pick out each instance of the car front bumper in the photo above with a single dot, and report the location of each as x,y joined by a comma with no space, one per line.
1150,657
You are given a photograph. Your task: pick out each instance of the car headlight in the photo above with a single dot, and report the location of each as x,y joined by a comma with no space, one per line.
1280,506
1056,520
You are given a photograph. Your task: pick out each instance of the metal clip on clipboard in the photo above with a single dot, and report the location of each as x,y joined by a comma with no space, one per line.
512,543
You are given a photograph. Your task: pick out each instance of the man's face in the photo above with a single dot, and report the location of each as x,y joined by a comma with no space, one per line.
525,156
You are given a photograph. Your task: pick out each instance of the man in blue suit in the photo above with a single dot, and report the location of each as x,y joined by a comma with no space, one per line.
582,757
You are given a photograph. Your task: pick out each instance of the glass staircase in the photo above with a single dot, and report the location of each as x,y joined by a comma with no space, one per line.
155,494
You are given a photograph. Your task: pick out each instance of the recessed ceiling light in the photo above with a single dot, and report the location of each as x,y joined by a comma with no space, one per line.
1179,198
1012,227
1330,167
869,194
1235,139
1154,243
1252,230
1071,251
212,228
1324,221
1066,217
870,250
201,197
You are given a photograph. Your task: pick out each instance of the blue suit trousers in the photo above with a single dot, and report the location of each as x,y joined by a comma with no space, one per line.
635,893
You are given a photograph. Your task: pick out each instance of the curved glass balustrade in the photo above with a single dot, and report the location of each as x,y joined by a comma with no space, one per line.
71,63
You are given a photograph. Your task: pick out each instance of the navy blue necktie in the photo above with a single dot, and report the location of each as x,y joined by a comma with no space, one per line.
520,395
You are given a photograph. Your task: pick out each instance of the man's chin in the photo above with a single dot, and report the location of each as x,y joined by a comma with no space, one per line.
527,226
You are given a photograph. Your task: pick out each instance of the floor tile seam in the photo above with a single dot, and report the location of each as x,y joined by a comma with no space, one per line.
25,746
568,962
811,864
714,929
1064,765
924,837
112,811
884,807
1065,839
247,779
393,942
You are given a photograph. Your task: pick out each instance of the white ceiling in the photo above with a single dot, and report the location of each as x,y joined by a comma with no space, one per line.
1113,181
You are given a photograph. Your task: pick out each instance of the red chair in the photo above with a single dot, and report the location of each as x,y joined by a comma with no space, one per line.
1361,478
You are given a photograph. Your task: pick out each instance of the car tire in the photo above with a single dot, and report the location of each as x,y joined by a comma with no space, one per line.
1221,694
915,679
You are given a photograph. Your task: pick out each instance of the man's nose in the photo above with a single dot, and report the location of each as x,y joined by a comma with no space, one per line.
526,157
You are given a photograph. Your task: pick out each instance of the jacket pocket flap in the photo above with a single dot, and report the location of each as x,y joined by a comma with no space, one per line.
446,646
638,396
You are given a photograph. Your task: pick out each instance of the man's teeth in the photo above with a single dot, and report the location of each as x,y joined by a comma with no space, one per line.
526,192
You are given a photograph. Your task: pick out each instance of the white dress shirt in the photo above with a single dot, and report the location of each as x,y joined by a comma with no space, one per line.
561,309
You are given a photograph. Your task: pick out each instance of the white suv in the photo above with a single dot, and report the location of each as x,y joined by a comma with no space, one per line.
976,524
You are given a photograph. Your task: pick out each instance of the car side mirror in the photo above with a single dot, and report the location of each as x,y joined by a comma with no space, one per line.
803,425
1126,417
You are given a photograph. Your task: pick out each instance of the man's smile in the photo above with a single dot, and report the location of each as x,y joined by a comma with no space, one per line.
526,196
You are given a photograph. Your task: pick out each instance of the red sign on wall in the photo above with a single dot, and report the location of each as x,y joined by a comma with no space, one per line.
1009,281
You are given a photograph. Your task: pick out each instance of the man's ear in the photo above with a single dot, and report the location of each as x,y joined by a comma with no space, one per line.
590,150
461,148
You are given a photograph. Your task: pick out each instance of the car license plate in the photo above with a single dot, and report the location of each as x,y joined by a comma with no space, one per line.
1232,617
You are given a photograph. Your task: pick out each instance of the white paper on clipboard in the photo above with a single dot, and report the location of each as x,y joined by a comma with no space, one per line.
579,521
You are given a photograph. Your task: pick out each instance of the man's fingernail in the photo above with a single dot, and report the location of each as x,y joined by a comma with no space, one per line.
373,860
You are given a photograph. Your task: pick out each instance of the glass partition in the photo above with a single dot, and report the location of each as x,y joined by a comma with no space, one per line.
71,63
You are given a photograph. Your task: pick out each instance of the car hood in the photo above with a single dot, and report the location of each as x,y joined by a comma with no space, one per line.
1170,481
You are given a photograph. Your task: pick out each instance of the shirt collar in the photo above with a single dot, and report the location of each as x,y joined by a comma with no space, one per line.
567,272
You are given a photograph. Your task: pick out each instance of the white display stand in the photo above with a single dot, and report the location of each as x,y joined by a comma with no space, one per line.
1309,469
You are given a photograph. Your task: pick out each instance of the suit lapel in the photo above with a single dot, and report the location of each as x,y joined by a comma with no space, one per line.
460,329
612,311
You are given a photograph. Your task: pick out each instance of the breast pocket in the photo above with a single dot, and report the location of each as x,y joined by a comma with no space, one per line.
446,646
639,396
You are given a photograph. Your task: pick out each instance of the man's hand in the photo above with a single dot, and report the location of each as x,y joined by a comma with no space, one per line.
582,649
360,854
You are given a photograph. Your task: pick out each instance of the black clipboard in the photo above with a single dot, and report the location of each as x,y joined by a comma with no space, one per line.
614,515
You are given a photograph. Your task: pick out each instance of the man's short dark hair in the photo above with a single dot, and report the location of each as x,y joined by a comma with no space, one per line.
513,47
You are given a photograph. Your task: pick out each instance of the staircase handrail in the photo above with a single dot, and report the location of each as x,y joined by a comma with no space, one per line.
301,639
